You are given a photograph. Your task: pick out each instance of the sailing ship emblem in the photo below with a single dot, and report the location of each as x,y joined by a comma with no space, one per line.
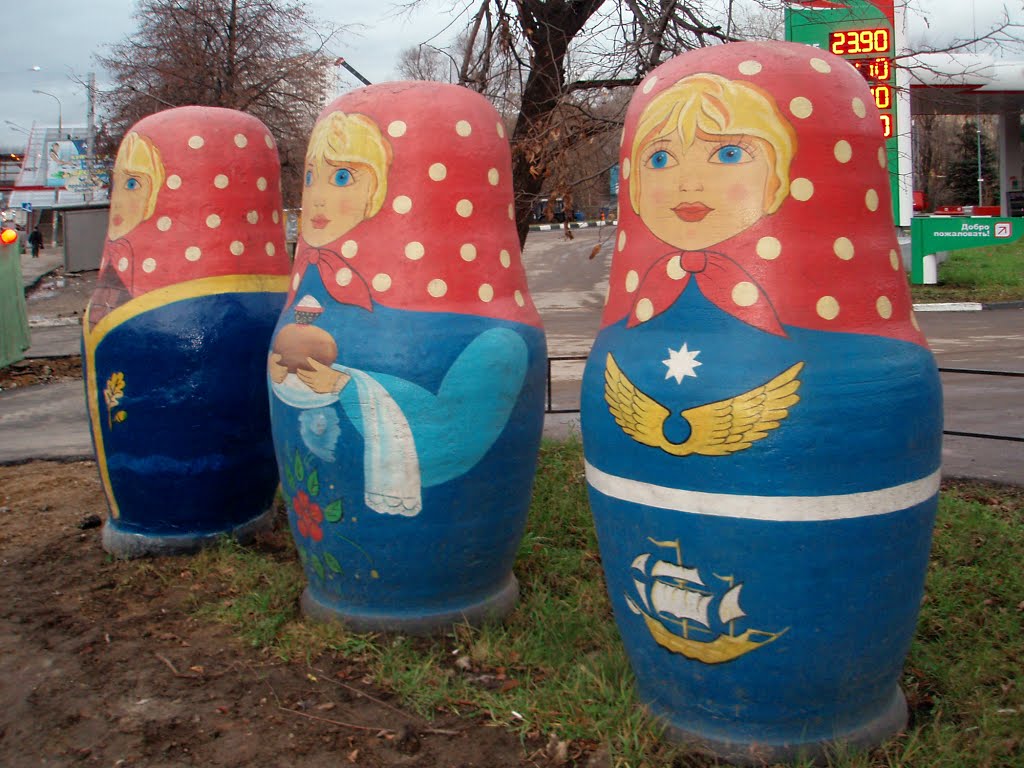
676,606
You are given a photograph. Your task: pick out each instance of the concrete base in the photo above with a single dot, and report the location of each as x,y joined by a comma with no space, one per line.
888,723
128,545
492,608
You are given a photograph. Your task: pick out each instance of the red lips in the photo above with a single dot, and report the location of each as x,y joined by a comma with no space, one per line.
319,221
691,212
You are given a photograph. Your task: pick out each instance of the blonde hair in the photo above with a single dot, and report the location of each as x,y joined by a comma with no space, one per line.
138,156
716,106
340,138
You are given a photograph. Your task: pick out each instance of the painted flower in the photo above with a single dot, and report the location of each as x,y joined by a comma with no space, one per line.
308,516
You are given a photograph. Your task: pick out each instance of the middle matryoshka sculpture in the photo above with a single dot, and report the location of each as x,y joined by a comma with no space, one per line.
761,416
407,370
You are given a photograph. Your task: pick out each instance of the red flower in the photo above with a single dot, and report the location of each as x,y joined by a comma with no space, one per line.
308,516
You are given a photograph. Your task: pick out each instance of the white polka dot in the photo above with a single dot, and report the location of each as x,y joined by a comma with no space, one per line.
240,140
644,310
149,265
464,208
343,276
801,107
820,65
122,264
414,251
871,200
802,189
397,128
193,253
463,128
213,221
884,307
744,294
913,321
268,140
349,249
749,67
486,292
196,142
163,223
237,247
173,181
674,268
625,167
402,204
437,172
295,281
511,212
270,248
381,281
858,107
252,217
501,131
649,84
493,177
437,288
220,181
261,184
769,248
276,216
467,252
827,308
519,298
894,259
843,248
843,151
632,280
622,240
505,258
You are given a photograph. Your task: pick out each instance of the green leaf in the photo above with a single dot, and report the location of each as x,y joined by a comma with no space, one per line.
297,468
333,512
317,565
313,483
332,562
289,480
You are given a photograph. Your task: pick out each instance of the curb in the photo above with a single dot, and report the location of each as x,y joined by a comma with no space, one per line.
572,225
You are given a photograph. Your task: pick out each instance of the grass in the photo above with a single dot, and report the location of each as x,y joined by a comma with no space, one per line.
989,274
556,666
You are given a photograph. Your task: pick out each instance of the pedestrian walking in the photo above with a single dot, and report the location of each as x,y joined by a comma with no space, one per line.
35,239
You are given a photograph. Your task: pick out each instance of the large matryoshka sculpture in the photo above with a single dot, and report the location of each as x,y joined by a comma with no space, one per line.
407,370
761,414
192,280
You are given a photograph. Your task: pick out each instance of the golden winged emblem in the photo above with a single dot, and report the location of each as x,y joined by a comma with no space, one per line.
716,429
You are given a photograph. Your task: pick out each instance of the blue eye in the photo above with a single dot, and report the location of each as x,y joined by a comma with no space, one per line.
731,154
659,159
342,177
131,184
309,178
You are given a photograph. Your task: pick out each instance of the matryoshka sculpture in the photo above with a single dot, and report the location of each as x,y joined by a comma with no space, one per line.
761,415
193,277
407,370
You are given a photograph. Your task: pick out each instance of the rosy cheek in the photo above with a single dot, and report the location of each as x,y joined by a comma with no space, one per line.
742,192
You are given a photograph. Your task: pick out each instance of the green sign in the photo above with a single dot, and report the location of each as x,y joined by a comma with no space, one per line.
932,234
863,33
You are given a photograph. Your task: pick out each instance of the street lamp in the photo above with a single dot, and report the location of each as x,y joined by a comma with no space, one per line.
60,125
17,127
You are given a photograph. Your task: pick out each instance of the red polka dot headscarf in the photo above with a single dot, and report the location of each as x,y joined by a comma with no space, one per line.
817,248
211,189
435,230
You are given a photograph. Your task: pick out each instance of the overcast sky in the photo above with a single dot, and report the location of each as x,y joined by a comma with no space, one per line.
60,37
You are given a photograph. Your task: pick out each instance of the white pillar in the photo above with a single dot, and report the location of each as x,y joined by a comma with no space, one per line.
1011,157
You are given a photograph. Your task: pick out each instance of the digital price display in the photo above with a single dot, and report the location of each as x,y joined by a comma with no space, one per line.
858,42
870,52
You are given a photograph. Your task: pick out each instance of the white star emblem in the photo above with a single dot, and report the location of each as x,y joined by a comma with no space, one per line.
681,363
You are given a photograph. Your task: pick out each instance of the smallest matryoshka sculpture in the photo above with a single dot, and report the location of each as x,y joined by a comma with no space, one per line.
761,416
193,276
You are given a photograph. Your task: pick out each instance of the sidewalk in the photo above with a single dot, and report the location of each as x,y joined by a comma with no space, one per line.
50,422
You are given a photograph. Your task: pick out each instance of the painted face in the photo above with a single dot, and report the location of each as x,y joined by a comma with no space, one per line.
130,194
693,197
335,198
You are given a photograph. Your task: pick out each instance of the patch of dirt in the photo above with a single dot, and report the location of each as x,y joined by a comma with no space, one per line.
103,663
61,295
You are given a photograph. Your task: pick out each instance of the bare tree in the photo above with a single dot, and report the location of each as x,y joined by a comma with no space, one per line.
264,57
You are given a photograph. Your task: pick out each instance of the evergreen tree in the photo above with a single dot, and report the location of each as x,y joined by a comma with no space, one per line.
962,169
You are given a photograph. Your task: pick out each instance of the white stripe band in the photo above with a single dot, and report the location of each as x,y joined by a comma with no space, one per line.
773,508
